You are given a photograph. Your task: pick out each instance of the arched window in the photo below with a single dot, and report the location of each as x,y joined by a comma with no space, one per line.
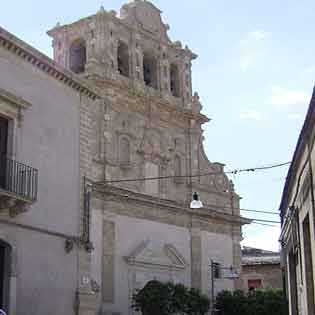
150,70
123,59
78,56
174,80
124,151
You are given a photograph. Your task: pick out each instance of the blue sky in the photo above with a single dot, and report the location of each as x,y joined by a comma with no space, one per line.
254,75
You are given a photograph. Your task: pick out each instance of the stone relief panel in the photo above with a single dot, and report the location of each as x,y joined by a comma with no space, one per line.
153,260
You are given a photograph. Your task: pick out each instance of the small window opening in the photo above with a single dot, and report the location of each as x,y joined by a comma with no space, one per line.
174,80
137,60
150,70
78,56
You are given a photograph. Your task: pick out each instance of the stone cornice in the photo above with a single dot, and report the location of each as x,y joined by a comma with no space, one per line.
44,63
13,99
127,196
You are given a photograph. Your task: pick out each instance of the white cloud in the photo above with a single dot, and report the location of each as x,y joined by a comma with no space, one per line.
267,240
252,48
259,34
310,70
295,116
283,97
251,114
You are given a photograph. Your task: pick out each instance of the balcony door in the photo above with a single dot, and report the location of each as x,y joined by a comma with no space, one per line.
3,149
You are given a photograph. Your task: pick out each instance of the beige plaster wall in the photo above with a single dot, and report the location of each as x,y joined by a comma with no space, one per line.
46,139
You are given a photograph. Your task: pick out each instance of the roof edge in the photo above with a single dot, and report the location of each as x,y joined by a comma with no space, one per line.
297,154
46,64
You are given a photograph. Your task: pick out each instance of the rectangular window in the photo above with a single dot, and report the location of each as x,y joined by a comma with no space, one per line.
254,284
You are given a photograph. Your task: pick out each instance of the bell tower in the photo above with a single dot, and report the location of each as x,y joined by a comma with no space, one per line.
131,48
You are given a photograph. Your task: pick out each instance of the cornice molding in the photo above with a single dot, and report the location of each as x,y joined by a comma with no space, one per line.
13,99
45,64
127,196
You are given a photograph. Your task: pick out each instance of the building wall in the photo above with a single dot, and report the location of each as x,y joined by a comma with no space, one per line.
270,275
45,138
301,197
117,237
219,254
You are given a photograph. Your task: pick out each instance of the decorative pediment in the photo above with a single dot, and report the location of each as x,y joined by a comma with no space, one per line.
153,254
12,105
146,15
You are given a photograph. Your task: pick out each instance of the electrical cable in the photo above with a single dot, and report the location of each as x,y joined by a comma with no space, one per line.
237,171
259,211
264,224
262,220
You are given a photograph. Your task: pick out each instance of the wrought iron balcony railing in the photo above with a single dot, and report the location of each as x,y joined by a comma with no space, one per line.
18,179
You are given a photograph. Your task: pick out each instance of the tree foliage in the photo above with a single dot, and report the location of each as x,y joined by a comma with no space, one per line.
260,302
158,298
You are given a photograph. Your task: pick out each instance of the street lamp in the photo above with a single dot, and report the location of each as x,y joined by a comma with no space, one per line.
195,203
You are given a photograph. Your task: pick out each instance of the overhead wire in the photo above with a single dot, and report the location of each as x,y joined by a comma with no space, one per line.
265,224
265,221
234,172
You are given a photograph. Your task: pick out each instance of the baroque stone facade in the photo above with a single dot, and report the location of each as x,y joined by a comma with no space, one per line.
148,124
115,105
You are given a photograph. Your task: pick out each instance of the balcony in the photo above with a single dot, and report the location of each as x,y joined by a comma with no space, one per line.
18,186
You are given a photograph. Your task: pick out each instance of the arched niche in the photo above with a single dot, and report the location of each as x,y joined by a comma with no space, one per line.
150,70
78,56
174,80
123,59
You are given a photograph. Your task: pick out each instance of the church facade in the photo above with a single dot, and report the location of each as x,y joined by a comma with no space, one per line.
148,125
135,136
